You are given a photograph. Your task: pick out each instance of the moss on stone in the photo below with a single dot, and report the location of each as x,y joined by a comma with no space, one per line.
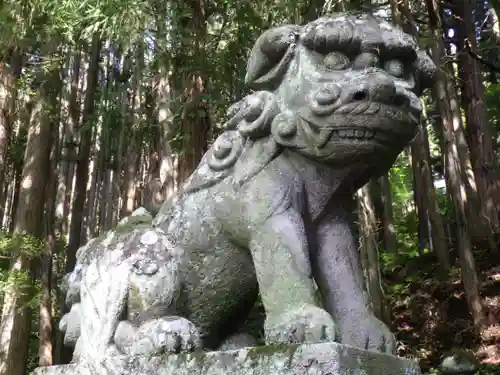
271,349
134,299
131,226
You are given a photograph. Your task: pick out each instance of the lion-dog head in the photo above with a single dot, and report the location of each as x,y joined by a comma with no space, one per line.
347,86
341,90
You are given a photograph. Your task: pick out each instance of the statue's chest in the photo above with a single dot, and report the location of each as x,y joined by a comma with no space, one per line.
320,182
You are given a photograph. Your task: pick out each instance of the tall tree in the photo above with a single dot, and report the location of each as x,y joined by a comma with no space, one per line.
453,167
46,258
82,168
425,197
10,70
16,315
69,146
369,234
195,118
478,130
386,214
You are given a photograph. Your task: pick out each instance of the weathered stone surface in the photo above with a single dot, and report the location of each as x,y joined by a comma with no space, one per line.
459,362
306,359
267,210
139,216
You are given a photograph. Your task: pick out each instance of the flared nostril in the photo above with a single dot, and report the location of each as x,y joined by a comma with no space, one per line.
359,96
327,95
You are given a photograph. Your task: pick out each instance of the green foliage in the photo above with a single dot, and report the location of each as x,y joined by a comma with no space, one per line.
20,243
159,39
11,246
492,94
405,217
489,370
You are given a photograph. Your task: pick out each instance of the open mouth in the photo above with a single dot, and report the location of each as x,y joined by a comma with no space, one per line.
361,134
362,122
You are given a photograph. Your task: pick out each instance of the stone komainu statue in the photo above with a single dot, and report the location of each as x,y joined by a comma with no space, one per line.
268,208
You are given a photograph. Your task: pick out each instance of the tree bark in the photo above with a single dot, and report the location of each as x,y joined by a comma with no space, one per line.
478,132
453,169
195,116
18,161
10,71
387,216
82,169
422,170
69,152
424,240
45,352
131,105
129,198
16,315
431,225
91,205
369,233
167,168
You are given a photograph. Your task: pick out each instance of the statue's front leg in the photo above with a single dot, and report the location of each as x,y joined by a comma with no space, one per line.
280,254
339,276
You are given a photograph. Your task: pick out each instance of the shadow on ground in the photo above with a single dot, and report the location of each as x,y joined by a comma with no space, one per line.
431,316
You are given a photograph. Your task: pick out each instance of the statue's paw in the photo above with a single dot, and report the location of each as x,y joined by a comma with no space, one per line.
366,331
125,336
70,325
306,324
166,335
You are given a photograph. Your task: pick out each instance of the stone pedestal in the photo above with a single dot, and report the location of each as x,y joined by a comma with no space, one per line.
308,359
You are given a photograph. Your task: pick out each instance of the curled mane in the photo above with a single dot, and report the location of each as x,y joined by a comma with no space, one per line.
259,126
246,142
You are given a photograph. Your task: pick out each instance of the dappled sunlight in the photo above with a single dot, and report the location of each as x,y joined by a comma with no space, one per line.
128,101
432,318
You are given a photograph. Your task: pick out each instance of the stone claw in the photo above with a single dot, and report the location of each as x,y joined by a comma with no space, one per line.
369,333
306,324
165,335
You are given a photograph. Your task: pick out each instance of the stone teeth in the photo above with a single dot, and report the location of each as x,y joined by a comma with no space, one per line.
360,134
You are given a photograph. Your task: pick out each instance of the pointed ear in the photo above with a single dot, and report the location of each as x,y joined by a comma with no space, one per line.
270,56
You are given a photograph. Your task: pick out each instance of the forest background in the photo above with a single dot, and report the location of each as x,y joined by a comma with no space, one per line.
108,105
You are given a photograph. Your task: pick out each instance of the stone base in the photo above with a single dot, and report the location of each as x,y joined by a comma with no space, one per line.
311,359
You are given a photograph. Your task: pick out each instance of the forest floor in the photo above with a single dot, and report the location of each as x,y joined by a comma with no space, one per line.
431,316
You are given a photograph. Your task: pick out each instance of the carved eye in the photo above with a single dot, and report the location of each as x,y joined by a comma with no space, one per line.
336,60
395,68
365,60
